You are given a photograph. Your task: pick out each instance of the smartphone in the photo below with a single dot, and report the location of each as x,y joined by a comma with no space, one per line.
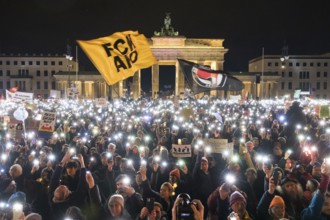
276,175
150,204
268,164
232,216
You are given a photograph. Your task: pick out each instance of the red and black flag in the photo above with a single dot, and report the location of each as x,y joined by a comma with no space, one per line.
201,78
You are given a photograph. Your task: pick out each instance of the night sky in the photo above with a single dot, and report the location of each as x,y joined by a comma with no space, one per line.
35,26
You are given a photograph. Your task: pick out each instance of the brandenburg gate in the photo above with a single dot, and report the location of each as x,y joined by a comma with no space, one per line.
167,46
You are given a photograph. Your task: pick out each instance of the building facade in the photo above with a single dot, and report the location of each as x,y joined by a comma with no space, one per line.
33,73
308,73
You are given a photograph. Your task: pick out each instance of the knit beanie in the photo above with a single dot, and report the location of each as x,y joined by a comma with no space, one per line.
236,197
204,159
176,173
116,198
277,200
17,197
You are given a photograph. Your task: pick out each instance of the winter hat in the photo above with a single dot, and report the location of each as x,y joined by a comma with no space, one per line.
116,198
323,137
279,169
204,159
73,212
277,200
236,197
19,197
175,173
282,140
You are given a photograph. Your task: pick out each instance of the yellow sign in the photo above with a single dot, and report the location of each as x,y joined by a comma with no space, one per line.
187,113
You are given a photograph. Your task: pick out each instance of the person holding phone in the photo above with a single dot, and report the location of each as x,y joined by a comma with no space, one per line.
271,206
60,196
319,208
132,199
164,196
154,212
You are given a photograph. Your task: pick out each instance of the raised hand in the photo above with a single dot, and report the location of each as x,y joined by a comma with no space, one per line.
325,168
143,172
267,171
272,186
81,160
90,180
198,209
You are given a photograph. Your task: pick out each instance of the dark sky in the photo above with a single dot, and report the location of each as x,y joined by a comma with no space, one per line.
33,26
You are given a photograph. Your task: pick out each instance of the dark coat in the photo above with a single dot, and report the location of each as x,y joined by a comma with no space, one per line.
58,209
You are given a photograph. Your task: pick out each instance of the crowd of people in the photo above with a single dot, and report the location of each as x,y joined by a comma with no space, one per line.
117,161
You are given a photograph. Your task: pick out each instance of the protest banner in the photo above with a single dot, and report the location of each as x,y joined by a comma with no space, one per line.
219,145
19,96
101,102
55,94
324,111
181,150
187,113
72,93
235,98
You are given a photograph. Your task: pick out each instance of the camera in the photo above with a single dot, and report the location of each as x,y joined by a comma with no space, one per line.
183,209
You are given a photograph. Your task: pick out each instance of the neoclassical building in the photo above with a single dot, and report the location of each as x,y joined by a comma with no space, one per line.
34,73
308,73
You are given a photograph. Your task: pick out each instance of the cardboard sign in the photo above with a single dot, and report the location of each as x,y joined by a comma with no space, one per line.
219,145
47,123
55,94
324,111
187,113
181,150
235,98
296,94
101,102
72,93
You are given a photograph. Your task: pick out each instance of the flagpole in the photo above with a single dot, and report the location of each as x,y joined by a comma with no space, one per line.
262,73
77,63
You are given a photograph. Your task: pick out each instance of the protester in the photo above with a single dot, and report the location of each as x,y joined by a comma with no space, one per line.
133,201
60,196
114,141
319,206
